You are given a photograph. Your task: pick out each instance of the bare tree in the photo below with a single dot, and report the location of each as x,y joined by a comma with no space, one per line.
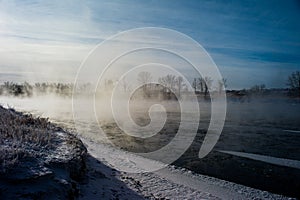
208,83
195,84
144,78
180,84
257,89
201,84
294,83
109,85
125,85
222,84
168,81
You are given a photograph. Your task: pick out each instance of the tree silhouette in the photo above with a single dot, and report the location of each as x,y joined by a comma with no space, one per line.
145,78
207,86
222,85
180,85
195,84
201,84
125,85
168,81
294,83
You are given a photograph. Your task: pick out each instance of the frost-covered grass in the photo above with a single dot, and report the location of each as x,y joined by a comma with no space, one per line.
22,136
38,160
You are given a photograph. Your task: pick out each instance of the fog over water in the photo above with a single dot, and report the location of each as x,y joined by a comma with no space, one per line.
59,109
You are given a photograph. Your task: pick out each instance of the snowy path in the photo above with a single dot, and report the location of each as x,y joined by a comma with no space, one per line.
170,182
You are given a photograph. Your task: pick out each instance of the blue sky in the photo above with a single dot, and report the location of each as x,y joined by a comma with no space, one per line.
252,42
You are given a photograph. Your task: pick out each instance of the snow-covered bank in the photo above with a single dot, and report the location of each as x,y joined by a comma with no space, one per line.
170,182
37,159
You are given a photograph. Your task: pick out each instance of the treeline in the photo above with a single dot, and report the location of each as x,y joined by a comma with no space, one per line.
27,90
203,85
172,87
168,87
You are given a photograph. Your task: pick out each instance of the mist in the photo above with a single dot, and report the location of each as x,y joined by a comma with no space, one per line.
91,111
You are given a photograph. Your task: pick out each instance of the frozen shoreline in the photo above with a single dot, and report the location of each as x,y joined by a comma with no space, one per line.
38,159
170,182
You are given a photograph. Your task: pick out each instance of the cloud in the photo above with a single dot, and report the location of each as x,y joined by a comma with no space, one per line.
248,36
46,61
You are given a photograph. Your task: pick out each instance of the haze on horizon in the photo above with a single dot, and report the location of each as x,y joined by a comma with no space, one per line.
252,42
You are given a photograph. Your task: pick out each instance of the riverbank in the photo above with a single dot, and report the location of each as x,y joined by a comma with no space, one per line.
38,159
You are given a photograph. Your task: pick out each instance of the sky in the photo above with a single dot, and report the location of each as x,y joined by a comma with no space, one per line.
252,42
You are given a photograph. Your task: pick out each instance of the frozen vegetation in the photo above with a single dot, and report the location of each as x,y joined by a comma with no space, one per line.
37,159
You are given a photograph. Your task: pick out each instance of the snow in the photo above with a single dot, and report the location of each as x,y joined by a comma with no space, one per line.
268,159
170,182
292,131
